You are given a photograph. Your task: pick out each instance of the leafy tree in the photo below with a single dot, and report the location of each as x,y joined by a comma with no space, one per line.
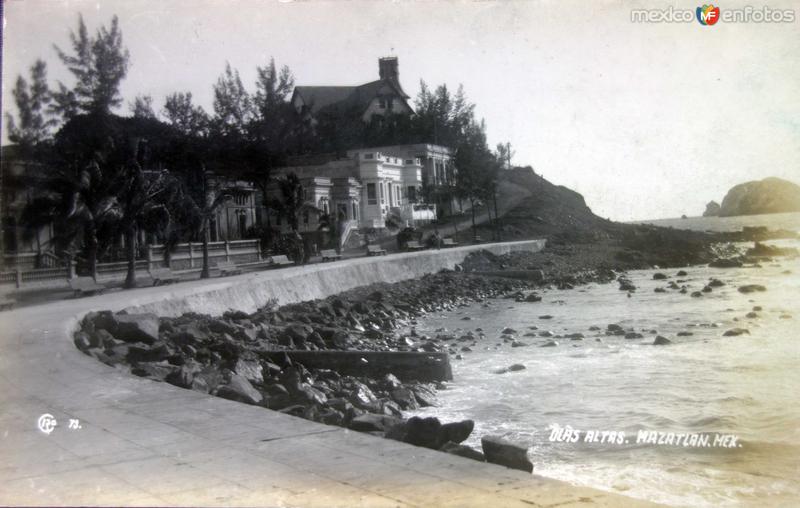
99,64
504,154
233,106
32,101
142,107
187,118
272,89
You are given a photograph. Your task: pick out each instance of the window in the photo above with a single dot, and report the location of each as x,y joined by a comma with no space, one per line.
382,104
372,199
355,211
397,194
409,161
369,156
412,194
383,199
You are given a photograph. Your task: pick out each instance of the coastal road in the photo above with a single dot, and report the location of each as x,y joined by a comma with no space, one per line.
115,439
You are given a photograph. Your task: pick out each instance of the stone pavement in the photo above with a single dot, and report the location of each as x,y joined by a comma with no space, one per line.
143,443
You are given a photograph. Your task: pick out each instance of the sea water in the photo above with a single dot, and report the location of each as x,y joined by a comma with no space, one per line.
745,387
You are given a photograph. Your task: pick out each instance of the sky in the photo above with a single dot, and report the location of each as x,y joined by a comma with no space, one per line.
645,120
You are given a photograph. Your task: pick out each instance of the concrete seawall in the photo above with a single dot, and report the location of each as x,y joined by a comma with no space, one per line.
289,285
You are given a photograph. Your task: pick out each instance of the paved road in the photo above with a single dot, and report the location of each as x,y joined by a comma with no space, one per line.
146,443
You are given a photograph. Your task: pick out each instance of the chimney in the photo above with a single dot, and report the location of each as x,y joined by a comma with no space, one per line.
387,68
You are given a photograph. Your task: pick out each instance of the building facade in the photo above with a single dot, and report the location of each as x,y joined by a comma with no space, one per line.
372,188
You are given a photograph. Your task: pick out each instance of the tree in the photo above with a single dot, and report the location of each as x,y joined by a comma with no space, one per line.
78,194
141,204
142,107
187,118
99,64
272,90
233,107
292,203
504,154
32,101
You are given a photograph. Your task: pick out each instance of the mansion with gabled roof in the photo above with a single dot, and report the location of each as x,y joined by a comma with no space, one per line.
369,187
379,97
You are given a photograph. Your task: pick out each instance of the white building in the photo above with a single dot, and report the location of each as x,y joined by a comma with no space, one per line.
371,188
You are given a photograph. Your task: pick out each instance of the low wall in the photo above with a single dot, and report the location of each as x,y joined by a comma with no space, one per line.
251,291
406,365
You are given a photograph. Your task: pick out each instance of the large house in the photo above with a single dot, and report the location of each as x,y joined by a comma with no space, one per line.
372,188
380,97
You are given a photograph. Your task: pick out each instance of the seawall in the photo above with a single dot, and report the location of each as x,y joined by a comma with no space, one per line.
251,291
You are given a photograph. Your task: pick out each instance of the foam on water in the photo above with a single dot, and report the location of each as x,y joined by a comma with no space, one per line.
705,382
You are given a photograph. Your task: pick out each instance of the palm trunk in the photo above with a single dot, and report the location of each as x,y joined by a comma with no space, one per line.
130,251
474,230
206,272
91,249
496,215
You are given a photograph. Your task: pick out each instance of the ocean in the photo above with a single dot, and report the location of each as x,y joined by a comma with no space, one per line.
741,390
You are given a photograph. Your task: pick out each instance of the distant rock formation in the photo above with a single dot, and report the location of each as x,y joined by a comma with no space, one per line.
712,209
770,195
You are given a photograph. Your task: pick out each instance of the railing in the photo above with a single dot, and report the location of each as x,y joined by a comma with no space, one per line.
347,228
186,256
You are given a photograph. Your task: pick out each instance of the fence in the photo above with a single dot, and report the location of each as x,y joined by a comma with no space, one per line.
184,257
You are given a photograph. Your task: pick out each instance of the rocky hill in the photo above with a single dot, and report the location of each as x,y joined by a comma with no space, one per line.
770,195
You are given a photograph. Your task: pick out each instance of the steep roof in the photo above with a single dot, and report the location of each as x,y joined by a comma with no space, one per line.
323,97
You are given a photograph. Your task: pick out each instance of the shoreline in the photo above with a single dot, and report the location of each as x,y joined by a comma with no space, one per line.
234,356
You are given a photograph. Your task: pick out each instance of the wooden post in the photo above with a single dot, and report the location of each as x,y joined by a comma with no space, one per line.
19,277
191,255
227,251
258,248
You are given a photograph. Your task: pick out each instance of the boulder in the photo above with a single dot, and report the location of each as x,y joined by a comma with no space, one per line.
182,377
751,288
423,432
240,389
735,332
135,327
455,432
501,452
682,273
82,341
661,341
726,263
633,335
659,276
144,353
508,331
370,422
550,343
715,283
153,370
462,451
405,398
533,297
252,370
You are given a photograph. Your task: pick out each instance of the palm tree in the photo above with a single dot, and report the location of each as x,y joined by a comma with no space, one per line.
142,206
213,200
79,202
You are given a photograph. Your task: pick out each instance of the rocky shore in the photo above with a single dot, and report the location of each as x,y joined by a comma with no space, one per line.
245,357
238,356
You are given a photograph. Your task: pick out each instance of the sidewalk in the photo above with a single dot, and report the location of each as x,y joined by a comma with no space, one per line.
147,443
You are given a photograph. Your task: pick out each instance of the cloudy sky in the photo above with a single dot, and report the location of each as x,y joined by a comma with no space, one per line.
646,120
